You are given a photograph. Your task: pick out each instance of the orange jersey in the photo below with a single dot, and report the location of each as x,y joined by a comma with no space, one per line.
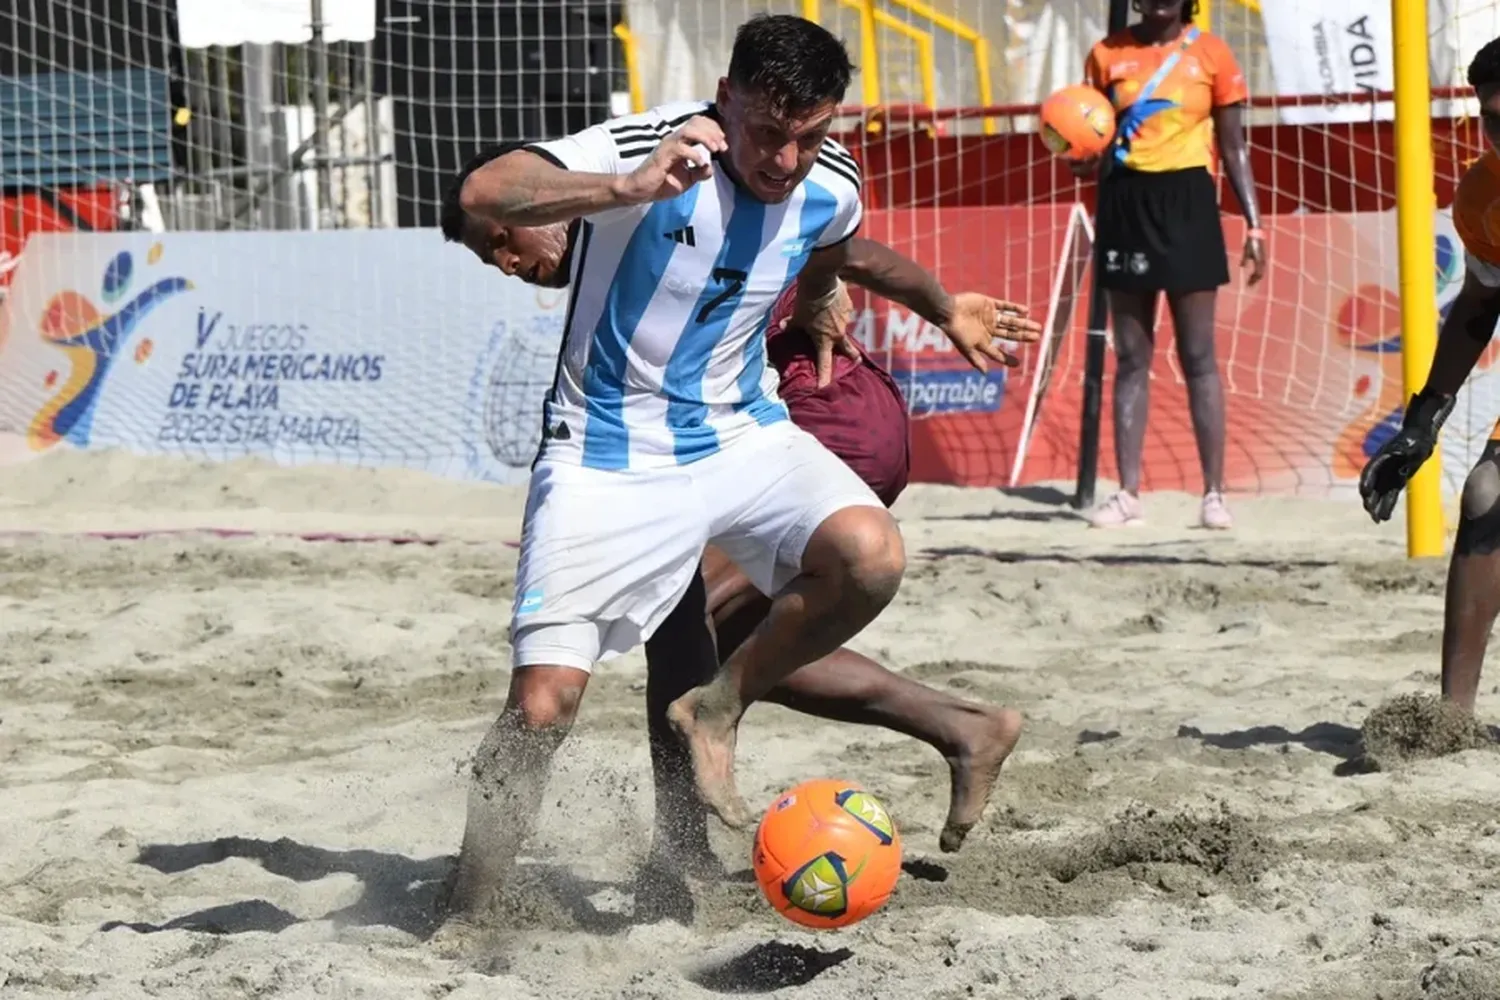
1476,209
1174,129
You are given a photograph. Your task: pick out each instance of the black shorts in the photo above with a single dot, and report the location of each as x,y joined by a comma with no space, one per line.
1160,232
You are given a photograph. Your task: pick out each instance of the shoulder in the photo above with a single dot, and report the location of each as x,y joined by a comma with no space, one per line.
1476,208
1112,46
1215,49
837,170
636,135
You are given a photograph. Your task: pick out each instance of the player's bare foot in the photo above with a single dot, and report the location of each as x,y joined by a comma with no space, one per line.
709,731
983,748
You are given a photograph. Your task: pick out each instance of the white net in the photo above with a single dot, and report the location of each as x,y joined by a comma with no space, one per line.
202,147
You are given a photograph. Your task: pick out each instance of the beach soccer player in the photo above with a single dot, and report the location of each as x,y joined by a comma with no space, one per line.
1472,599
664,432
860,415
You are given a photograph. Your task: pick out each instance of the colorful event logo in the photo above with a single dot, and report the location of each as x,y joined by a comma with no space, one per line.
1369,321
92,342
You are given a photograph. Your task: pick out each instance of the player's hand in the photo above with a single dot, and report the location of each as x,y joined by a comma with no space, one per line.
1388,471
827,323
980,323
678,162
1254,258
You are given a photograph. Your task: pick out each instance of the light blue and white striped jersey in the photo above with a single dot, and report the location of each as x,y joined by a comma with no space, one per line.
663,359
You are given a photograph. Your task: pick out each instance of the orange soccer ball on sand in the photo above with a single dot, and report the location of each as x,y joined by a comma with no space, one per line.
826,854
1078,122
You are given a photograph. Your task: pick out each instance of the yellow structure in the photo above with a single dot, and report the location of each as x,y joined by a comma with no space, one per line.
632,68
1416,205
873,17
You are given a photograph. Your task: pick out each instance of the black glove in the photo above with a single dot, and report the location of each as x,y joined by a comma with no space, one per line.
1389,470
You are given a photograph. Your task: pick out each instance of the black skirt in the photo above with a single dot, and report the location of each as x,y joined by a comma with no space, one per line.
1160,232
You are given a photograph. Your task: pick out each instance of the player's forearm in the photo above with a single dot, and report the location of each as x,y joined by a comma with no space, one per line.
522,189
1465,334
1229,126
879,269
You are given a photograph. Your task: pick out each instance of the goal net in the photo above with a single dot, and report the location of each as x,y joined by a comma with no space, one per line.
217,232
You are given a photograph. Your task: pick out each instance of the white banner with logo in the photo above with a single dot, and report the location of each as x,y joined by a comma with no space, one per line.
1330,47
370,347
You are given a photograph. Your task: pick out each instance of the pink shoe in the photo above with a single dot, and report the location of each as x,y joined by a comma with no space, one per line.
1215,515
1121,510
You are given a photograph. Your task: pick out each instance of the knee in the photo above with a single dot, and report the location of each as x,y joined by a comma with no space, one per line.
1479,506
1196,355
543,702
1481,491
863,547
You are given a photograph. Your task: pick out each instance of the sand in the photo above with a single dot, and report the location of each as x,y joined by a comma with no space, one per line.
233,767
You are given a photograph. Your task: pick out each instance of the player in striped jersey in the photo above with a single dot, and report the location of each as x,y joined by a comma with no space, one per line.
663,431
858,414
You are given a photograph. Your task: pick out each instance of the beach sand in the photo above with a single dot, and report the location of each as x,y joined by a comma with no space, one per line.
234,767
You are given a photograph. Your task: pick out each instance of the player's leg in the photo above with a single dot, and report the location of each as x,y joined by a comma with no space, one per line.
604,557
1472,600
1193,319
807,529
975,739
508,776
680,655
1133,314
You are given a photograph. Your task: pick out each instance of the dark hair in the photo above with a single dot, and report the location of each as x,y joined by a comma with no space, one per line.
451,217
1484,70
794,63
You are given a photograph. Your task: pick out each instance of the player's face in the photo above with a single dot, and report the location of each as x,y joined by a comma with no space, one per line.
770,153
1489,113
532,253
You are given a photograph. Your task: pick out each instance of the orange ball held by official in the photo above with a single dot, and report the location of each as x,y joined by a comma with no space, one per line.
1078,122
826,854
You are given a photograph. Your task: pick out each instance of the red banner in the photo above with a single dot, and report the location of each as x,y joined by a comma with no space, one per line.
1310,357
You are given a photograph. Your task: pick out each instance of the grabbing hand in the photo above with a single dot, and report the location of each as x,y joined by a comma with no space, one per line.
1388,471
978,321
678,162
1254,257
826,321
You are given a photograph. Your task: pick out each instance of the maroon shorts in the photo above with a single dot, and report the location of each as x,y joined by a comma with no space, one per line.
860,416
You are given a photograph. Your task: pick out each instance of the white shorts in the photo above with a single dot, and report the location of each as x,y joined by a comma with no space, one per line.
606,555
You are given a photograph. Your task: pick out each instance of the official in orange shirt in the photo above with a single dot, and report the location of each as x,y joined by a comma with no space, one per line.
1175,90
1472,602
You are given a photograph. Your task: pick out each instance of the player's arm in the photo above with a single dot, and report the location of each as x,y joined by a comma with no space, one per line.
523,189
970,320
1466,330
1465,333
585,174
892,275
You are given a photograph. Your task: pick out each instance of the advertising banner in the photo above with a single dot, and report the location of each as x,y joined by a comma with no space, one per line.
1331,47
392,348
374,347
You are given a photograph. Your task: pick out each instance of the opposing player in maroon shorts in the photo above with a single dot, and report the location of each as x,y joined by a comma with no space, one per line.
855,408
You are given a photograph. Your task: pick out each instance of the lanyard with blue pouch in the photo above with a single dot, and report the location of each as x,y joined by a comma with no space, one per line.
1136,115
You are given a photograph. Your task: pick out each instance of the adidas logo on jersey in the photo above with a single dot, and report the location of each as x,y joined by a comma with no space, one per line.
683,236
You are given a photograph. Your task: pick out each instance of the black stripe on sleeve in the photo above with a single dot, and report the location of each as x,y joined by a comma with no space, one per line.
546,154
833,166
